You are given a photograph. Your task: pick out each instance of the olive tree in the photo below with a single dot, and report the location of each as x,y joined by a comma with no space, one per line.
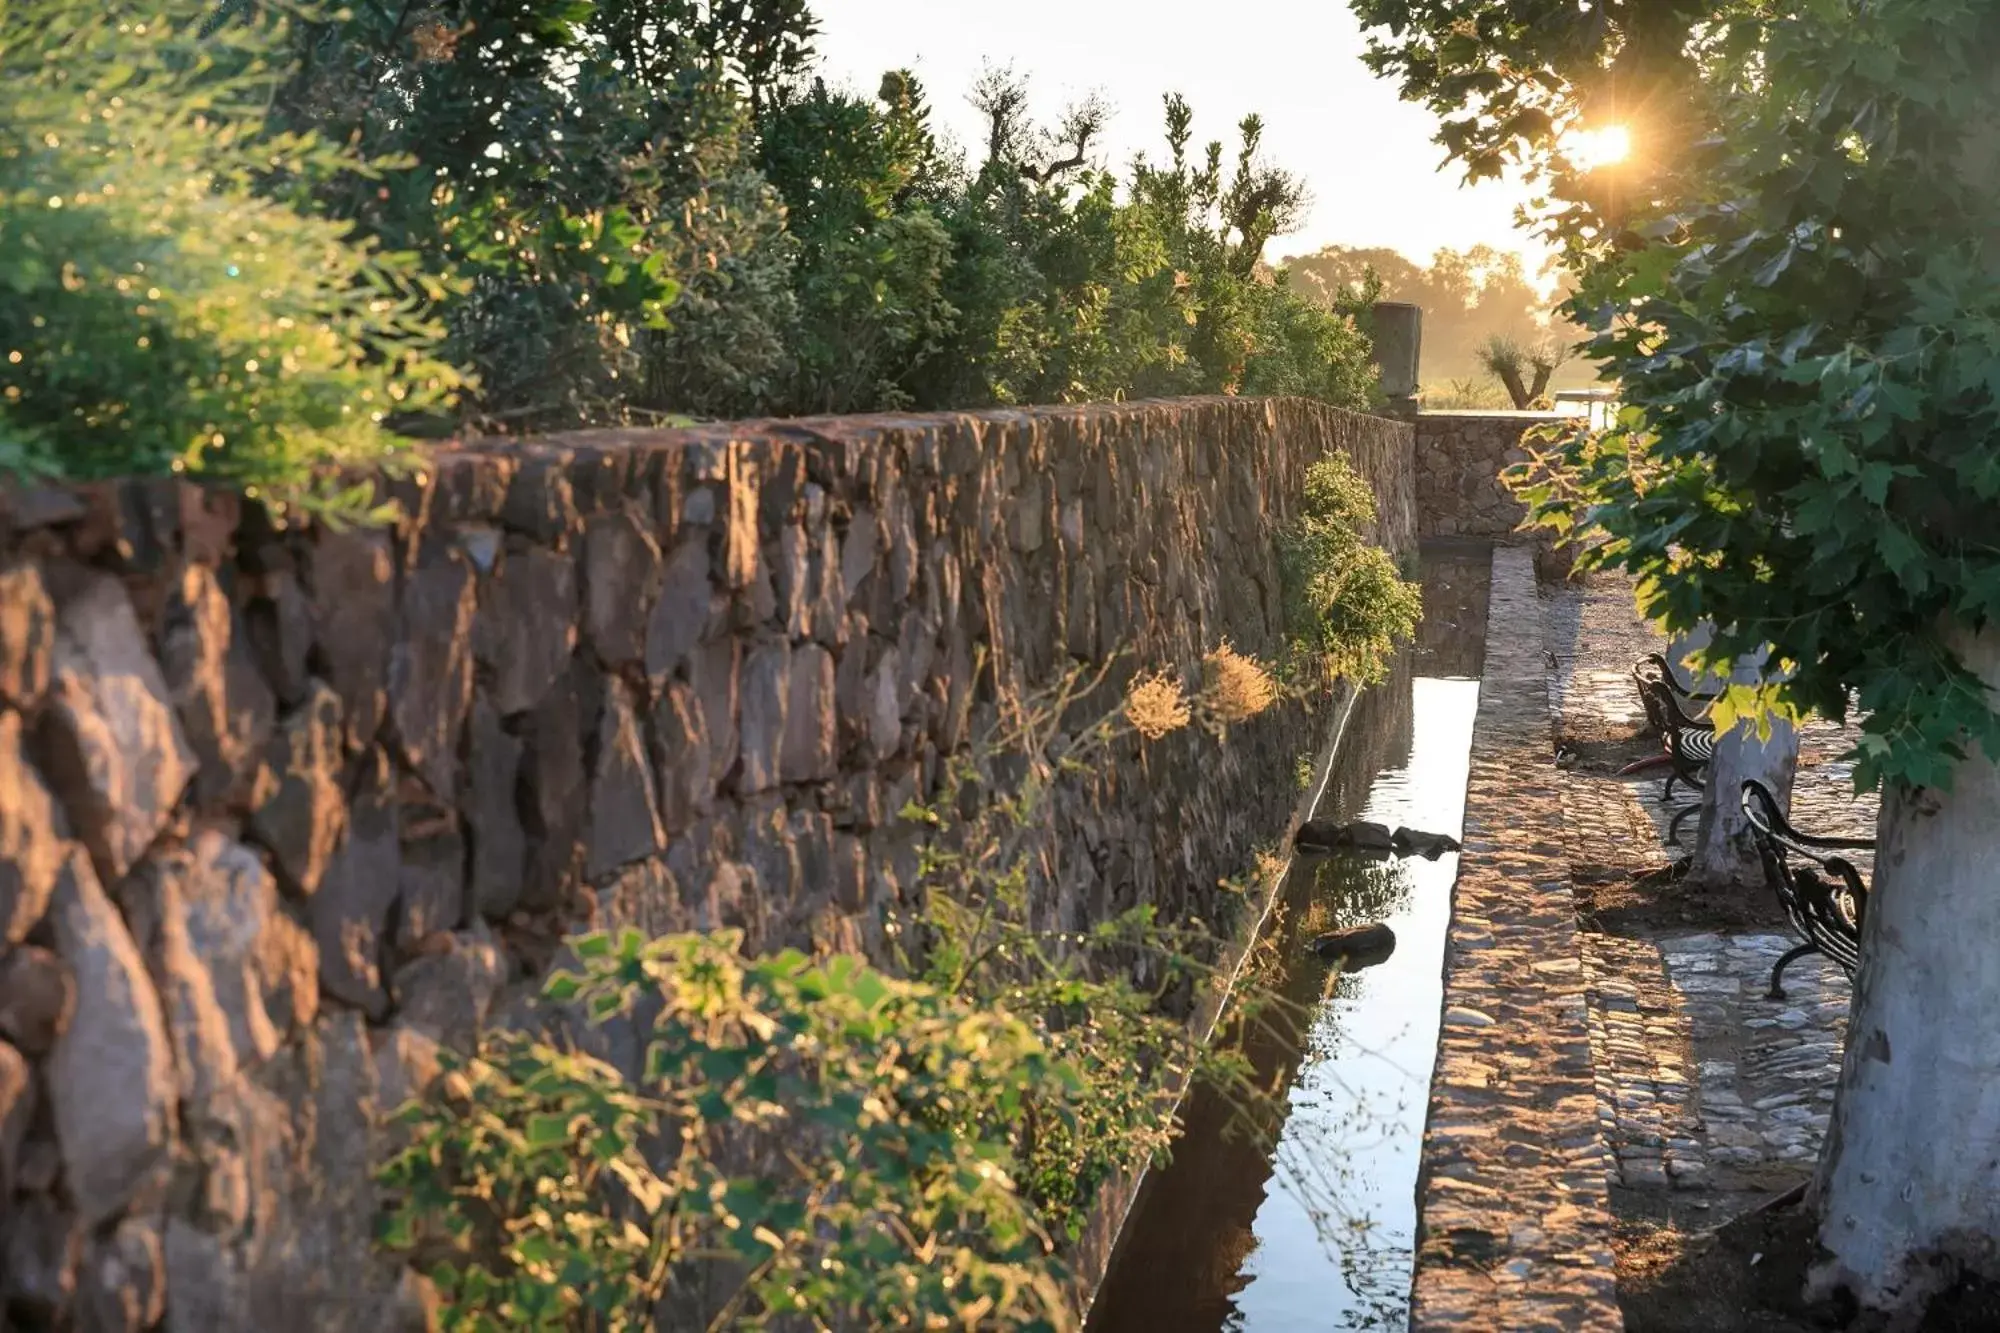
1804,310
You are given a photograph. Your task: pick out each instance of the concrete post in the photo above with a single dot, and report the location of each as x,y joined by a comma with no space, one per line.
1399,342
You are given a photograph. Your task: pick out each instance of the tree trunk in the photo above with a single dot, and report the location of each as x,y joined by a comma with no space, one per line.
1543,374
1724,856
1909,1183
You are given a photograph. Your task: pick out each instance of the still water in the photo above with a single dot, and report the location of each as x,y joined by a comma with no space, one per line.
1309,1225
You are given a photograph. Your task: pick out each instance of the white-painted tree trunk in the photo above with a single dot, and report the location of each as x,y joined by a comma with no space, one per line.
1910,1175
1723,854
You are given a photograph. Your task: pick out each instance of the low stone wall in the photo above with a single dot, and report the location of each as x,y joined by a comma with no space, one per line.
283,812
1459,459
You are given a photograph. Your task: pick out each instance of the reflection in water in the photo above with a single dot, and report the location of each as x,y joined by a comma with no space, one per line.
1334,1242
1319,1233
1451,642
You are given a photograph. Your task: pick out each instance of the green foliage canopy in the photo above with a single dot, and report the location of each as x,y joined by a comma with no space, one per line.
159,311
579,168
1807,341
598,211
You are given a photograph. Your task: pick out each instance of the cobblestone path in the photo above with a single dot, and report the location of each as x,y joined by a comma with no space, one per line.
1709,1092
1575,985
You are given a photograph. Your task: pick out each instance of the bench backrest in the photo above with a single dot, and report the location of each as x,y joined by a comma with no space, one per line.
1821,891
1661,695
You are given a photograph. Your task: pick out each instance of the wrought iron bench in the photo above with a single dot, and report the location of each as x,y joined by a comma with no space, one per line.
1821,891
1689,741
1663,710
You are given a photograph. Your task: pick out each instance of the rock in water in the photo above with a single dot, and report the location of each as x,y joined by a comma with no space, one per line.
1430,846
1324,836
1357,946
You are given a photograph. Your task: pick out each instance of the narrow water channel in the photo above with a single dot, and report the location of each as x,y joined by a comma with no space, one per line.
1310,1224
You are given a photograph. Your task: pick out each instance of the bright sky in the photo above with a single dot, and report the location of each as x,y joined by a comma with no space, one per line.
1367,155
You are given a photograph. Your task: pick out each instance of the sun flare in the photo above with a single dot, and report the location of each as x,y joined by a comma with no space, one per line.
1604,146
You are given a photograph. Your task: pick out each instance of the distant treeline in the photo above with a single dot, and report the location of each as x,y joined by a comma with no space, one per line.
1471,299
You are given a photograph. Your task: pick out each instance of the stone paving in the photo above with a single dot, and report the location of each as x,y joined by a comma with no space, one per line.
1706,1088
1584,1074
1514,1224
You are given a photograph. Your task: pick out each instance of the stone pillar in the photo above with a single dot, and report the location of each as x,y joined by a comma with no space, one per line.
1399,342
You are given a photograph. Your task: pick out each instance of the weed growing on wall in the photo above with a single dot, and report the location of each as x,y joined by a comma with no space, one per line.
856,1149
1346,605
1113,996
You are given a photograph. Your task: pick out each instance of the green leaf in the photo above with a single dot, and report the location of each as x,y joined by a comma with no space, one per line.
546,1131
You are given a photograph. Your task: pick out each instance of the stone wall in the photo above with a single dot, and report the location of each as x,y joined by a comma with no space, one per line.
1459,459
284,812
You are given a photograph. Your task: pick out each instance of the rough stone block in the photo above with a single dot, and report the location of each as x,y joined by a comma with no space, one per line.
226,709
883,707
299,1253
622,573
350,913
27,634
37,998
681,759
499,843
766,691
808,750
792,566
540,503
446,993
303,811
712,674
829,610
432,894
205,1052
430,667
32,831
278,622
262,964
121,1281
353,576
527,626
858,549
17,1111
406,1065
624,809
111,1074
557,793
680,615
114,749
646,896
38,1261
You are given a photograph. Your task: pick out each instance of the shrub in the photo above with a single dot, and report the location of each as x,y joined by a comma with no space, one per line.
861,1150
857,177
1346,606
157,312
842,1135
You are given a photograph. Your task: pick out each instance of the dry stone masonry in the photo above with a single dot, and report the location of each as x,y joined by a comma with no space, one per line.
286,812
1460,456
